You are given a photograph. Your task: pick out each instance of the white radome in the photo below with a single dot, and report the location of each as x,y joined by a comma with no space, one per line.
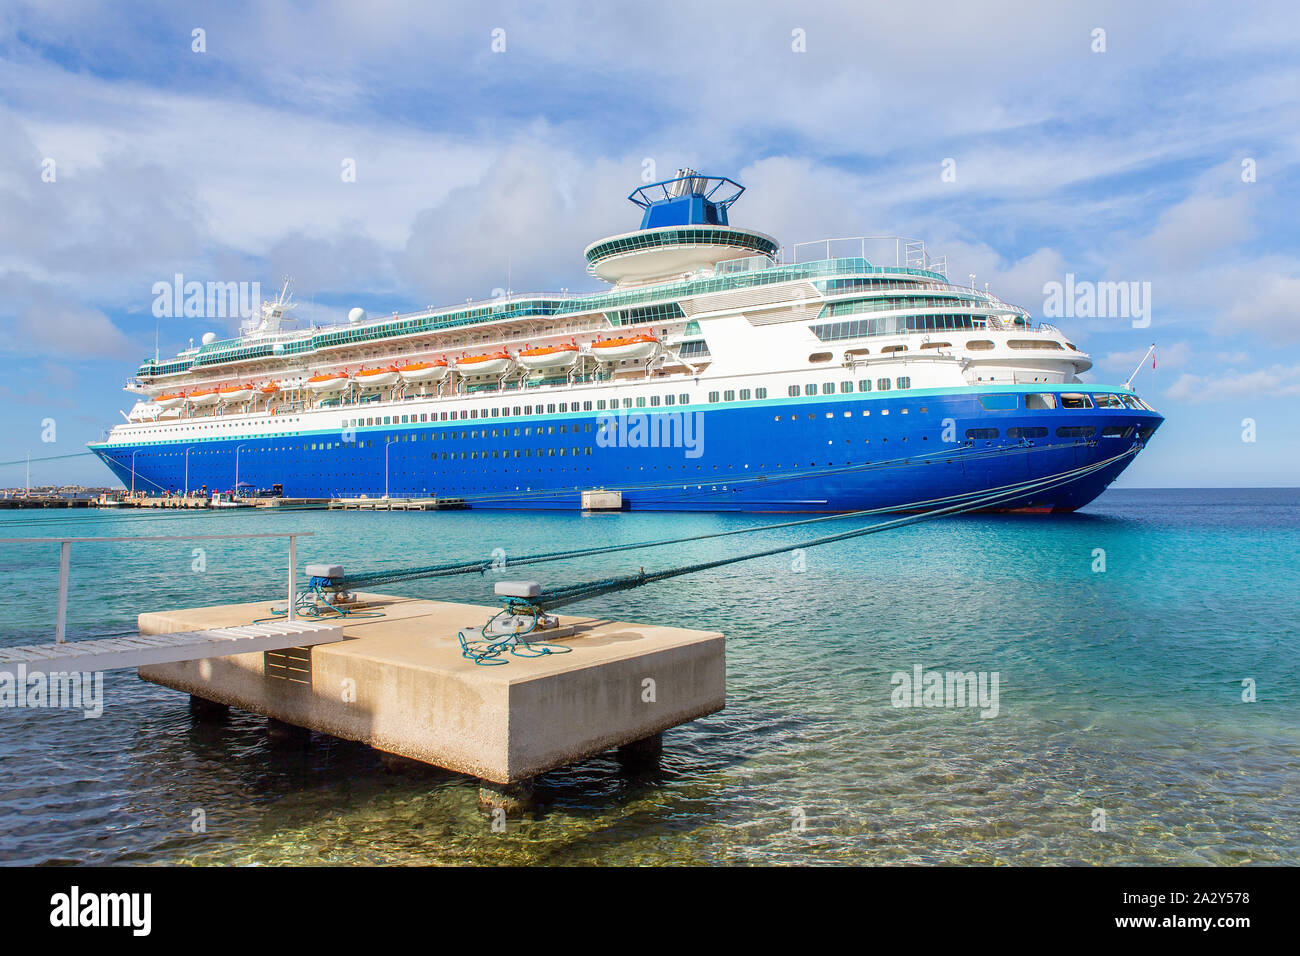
356,315
209,338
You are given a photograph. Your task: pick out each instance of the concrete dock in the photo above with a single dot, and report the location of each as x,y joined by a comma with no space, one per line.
398,682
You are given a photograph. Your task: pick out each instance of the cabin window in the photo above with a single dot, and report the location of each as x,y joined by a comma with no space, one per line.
640,401
882,385
729,395
999,403
600,405
820,357
891,349
760,393
810,389
684,399
744,394
1075,400
670,399
713,397
1034,431
864,385
1039,401
935,345
828,388
846,388
1038,344
903,381
979,345
1108,401
654,401
1075,431
981,433
1117,431
794,391
627,403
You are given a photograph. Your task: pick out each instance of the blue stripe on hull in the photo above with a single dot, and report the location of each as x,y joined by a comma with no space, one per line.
798,457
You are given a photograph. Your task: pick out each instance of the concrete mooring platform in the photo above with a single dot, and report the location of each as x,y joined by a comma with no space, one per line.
398,682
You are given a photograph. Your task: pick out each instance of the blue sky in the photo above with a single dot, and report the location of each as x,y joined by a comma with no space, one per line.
474,165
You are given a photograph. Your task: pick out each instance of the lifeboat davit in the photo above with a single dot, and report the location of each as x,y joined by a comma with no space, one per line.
204,396
327,382
420,372
549,356
236,393
377,377
170,401
494,363
641,346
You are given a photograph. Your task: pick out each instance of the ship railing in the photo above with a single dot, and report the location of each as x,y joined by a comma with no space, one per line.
898,251
65,561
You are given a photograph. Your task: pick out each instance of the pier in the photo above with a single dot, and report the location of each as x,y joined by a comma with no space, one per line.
399,683
398,504
392,672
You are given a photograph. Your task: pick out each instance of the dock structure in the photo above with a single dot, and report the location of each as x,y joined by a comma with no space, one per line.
397,504
399,683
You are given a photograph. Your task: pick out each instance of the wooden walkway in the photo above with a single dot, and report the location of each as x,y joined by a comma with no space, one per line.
119,652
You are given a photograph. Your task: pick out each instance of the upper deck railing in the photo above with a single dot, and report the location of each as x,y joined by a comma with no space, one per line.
907,255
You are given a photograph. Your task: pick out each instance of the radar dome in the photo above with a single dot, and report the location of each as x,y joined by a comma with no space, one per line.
356,315
209,338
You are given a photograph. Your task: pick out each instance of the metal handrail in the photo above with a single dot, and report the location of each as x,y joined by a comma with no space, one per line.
65,559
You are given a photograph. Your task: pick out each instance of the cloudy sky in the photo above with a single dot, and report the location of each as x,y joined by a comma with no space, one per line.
491,143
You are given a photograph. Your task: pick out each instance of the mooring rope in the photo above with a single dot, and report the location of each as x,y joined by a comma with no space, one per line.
482,565
553,598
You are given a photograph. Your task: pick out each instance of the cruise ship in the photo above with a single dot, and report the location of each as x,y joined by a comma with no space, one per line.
717,372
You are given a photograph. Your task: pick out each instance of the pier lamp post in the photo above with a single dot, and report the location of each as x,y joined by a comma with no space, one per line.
237,448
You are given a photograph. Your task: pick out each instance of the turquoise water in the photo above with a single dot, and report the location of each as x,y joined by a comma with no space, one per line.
1119,691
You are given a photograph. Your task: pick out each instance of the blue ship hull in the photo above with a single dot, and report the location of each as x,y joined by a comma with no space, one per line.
888,451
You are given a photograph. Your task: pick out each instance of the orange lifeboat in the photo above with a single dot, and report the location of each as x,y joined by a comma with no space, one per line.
421,372
642,346
170,401
236,393
203,396
493,363
549,356
327,382
270,388
377,377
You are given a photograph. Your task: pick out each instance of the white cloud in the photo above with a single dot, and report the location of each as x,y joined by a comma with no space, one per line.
1275,381
1171,356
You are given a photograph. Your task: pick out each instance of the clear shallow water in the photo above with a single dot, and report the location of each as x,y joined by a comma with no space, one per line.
1119,690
